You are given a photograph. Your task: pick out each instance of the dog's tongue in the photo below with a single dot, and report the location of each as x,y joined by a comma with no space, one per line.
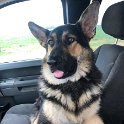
58,74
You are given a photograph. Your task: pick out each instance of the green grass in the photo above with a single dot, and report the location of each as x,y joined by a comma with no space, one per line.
11,46
17,44
101,38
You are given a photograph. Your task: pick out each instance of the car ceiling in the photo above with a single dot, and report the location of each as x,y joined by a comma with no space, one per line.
4,3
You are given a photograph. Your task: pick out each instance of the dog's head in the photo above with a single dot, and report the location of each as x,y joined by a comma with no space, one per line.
68,56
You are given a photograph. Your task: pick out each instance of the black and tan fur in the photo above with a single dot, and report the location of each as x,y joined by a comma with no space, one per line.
74,97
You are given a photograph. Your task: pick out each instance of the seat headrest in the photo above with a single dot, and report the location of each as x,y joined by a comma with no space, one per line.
113,20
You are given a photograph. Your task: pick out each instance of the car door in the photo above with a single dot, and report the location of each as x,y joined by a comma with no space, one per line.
18,80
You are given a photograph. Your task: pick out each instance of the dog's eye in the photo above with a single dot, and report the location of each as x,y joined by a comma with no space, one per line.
70,40
51,42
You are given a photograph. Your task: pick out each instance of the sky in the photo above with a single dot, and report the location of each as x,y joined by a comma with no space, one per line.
14,18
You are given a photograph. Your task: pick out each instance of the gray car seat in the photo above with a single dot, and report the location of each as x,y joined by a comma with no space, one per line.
110,61
19,114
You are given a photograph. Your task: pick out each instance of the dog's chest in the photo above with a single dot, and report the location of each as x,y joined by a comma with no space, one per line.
58,115
69,104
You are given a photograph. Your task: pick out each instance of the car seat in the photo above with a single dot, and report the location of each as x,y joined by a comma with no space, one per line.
110,61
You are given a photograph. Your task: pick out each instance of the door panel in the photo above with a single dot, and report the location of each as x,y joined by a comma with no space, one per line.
20,69
19,80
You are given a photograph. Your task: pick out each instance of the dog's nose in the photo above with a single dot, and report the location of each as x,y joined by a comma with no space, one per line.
51,62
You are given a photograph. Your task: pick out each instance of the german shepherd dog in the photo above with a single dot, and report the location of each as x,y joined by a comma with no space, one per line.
70,85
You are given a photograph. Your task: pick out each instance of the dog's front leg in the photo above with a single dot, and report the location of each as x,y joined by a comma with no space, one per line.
94,120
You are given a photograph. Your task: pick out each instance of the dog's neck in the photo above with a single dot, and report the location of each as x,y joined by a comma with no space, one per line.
71,95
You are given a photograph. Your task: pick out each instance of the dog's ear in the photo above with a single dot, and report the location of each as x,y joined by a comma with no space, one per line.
39,32
89,19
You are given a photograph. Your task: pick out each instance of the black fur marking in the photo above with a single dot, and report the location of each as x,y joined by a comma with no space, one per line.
38,102
77,110
43,119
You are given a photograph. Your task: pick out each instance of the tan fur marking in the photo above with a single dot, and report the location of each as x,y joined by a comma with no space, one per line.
54,36
88,95
62,116
91,110
75,49
49,108
35,121
85,66
64,35
49,50
94,120
34,118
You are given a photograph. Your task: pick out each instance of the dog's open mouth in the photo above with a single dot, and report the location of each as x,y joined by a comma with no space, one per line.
58,74
64,69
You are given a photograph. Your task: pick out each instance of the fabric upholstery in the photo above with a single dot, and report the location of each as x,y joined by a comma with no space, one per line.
113,20
15,119
19,114
110,61
21,109
105,57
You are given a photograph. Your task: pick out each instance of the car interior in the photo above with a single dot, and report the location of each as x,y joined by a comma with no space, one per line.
19,80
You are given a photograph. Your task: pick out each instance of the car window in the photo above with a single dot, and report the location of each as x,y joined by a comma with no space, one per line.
101,37
16,41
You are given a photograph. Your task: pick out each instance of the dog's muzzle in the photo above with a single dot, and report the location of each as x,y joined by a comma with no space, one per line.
57,73
62,67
